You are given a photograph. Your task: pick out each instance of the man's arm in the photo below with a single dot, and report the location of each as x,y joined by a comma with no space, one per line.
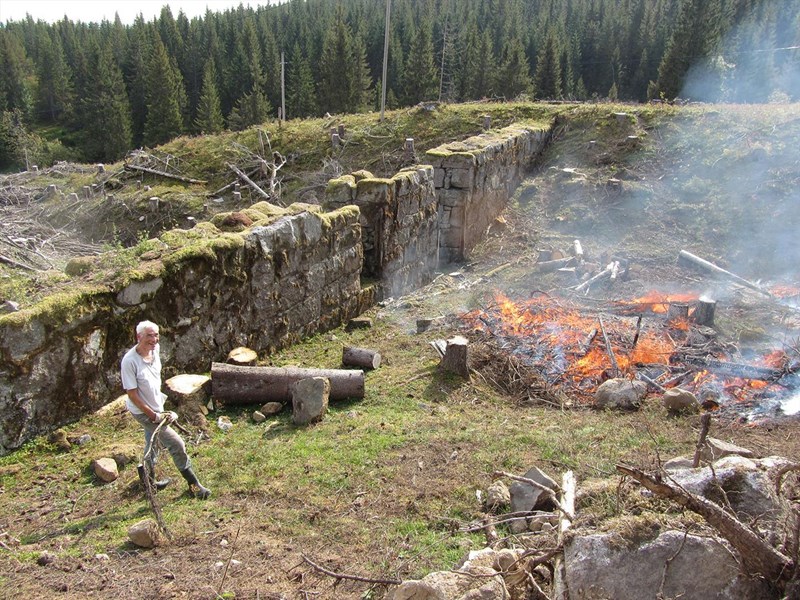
140,404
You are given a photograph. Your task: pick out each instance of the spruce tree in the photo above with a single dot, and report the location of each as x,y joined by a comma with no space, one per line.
209,114
515,76
420,75
14,87
335,84
54,92
164,119
300,97
547,81
105,111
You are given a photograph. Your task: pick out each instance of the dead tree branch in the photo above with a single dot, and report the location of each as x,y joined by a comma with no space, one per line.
544,489
163,174
335,575
757,555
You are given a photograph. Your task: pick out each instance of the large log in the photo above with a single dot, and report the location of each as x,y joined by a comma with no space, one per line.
235,385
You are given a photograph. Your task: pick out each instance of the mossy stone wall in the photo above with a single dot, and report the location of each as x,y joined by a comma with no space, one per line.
284,278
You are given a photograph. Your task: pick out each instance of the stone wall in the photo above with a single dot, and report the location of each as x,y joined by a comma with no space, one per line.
399,221
474,180
284,278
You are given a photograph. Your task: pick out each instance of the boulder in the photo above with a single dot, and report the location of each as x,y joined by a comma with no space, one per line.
621,394
497,495
144,534
105,469
453,585
677,400
310,399
525,497
598,566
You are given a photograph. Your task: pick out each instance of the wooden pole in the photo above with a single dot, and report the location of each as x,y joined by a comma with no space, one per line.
249,182
283,88
685,258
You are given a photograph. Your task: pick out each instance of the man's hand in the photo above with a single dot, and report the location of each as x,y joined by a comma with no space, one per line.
170,417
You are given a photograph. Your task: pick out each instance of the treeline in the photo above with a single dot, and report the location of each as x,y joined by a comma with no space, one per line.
105,88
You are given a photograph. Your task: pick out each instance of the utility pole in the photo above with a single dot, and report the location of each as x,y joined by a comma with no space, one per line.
283,89
385,58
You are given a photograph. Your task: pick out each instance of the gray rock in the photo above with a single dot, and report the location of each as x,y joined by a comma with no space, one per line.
497,495
678,400
258,416
105,469
715,449
9,306
621,394
525,497
598,567
144,534
45,558
310,400
449,585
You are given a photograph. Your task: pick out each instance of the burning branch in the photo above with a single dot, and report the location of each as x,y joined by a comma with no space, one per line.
685,257
609,349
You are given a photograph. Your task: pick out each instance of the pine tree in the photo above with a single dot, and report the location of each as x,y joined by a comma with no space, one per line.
105,111
209,114
135,73
335,84
361,80
14,86
164,116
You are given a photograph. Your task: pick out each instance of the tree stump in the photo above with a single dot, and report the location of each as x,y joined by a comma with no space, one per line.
190,395
235,385
704,312
242,356
456,356
678,311
360,357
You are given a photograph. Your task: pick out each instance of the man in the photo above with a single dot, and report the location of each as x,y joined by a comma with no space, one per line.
141,379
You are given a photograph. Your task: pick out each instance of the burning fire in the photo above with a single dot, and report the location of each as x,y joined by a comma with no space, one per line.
582,350
654,302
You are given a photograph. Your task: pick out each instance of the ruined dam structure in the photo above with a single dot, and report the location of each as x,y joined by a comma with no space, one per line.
293,273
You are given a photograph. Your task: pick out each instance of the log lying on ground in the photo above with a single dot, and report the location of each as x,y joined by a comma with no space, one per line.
687,258
360,357
758,557
235,385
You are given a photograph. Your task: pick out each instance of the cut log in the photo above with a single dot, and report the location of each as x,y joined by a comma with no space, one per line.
736,369
577,250
235,385
189,394
704,312
604,273
242,356
360,357
553,265
456,356
128,167
687,258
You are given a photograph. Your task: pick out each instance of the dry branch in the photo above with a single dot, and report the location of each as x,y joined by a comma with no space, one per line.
549,494
249,181
163,174
329,573
685,257
757,556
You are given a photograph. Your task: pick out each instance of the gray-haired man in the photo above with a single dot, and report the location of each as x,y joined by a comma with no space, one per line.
141,379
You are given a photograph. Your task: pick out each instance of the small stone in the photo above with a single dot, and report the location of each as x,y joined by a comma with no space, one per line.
144,533
105,469
102,557
224,423
84,439
59,439
258,416
9,306
45,558
272,408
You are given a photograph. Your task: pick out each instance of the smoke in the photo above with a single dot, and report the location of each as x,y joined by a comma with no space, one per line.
757,61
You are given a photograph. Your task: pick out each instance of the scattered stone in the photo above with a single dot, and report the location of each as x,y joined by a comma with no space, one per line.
224,423
497,495
525,497
144,534
310,400
83,439
715,449
105,469
102,556
9,306
359,323
59,439
603,566
621,394
123,460
45,558
272,408
447,585
677,400
258,416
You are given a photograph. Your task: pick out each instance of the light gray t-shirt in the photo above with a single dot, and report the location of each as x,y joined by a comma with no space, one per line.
136,373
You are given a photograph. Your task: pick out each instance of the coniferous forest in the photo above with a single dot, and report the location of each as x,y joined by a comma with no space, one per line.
93,91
